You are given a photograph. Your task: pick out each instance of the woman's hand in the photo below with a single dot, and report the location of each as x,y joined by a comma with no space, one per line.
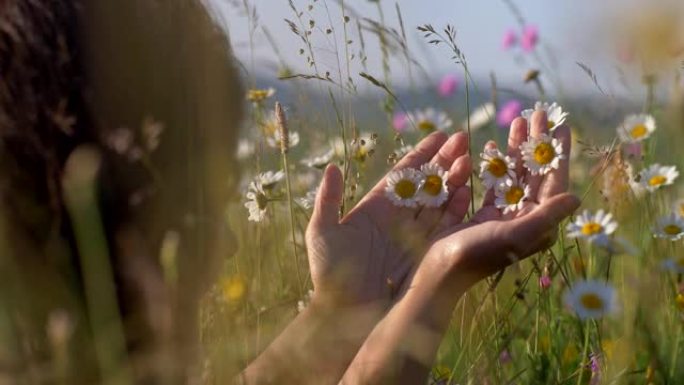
491,241
402,346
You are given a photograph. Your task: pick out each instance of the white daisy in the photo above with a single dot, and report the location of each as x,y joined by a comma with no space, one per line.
481,116
429,120
434,191
308,200
273,140
320,161
594,228
541,155
670,227
257,202
636,128
403,186
363,146
678,207
511,195
495,167
269,179
554,114
245,149
656,176
591,299
675,264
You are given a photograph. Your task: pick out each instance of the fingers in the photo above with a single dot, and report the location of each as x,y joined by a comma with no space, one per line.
456,146
457,207
534,231
329,198
516,136
422,153
489,196
538,126
557,181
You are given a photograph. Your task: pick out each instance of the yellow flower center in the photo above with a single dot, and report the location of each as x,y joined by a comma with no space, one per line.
497,167
550,124
514,195
233,289
261,201
433,185
426,126
591,228
638,131
405,189
680,262
680,301
591,301
672,229
258,95
657,180
544,153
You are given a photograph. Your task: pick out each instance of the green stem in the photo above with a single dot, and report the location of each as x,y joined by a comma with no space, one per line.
585,351
286,167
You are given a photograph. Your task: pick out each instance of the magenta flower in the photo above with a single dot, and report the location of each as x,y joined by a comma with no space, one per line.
544,281
505,357
508,112
399,121
510,39
529,38
447,86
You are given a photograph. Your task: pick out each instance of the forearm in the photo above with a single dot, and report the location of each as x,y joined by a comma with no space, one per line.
402,347
316,347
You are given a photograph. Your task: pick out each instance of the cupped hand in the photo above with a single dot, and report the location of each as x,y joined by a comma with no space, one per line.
468,252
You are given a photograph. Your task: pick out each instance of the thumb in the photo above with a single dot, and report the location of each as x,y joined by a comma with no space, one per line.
329,198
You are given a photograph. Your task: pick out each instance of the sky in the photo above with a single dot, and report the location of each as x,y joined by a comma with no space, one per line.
571,30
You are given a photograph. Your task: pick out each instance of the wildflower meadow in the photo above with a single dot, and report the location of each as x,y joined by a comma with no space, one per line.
603,305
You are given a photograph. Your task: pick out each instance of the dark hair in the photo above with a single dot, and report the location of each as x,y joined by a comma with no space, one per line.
74,77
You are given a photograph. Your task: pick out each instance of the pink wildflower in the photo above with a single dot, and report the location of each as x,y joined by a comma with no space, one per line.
447,86
510,39
399,121
529,38
508,112
544,281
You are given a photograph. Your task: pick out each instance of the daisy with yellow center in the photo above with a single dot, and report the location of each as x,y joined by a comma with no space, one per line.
319,162
256,95
257,202
679,207
363,146
657,176
403,187
434,191
554,114
636,128
543,154
670,227
274,140
674,264
511,195
429,120
591,299
594,228
233,289
495,167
